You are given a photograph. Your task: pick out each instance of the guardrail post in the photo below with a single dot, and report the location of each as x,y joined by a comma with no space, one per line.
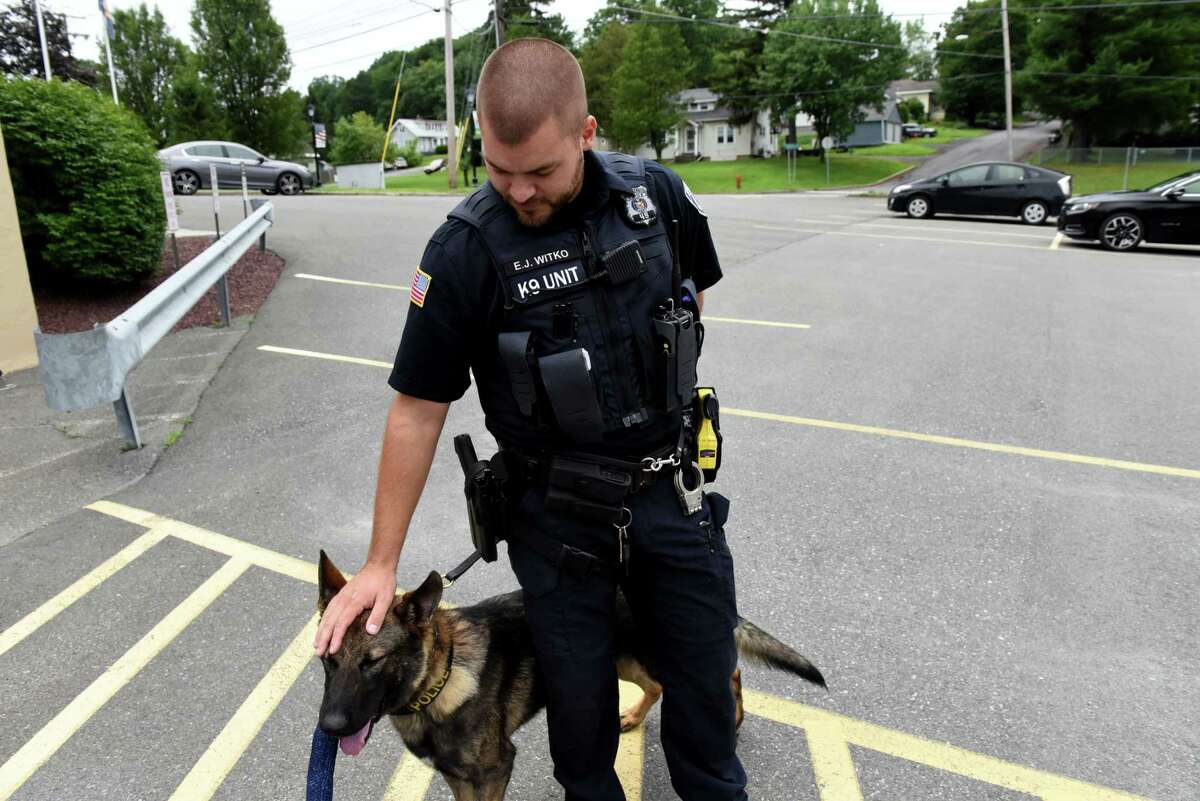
262,240
223,299
126,421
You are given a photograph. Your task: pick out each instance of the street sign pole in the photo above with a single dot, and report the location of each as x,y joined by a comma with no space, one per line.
245,195
826,146
168,191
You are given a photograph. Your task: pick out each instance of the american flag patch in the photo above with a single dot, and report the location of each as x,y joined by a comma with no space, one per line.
420,287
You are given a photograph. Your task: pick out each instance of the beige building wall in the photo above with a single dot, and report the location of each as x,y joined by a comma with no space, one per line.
17,314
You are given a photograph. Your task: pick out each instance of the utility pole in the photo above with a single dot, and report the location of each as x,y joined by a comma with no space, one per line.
37,7
1008,104
451,144
499,13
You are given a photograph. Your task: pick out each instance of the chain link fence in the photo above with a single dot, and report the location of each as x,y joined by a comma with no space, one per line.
1100,169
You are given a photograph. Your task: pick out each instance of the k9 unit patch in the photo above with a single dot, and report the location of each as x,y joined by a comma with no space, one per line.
528,288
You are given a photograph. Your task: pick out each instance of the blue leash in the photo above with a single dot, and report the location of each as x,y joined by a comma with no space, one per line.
320,767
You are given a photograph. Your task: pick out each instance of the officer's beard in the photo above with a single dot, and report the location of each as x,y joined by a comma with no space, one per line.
542,209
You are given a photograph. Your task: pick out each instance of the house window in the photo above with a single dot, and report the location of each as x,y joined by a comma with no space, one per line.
725,134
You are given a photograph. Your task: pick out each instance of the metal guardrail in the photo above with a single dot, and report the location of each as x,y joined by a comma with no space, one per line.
89,368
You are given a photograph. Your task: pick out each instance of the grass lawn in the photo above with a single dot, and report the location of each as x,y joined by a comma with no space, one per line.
1090,178
770,175
709,177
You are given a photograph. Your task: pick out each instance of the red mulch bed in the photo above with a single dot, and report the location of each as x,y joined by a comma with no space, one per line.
62,310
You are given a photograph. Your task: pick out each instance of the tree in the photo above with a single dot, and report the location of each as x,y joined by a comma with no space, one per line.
739,65
21,49
244,55
922,58
911,110
654,70
600,58
360,140
972,77
324,94
529,18
193,112
1094,65
146,58
831,81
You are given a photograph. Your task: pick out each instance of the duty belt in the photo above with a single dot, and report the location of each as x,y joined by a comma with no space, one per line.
534,469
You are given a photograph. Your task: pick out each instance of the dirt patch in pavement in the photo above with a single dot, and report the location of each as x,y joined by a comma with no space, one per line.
62,309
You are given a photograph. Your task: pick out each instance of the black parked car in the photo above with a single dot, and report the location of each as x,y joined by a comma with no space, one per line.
912,130
1166,212
992,188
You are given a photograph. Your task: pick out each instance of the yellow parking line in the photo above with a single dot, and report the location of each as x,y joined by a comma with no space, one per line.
892,236
221,543
330,356
631,747
411,780
41,746
81,587
1098,461
348,282
941,756
802,326
211,769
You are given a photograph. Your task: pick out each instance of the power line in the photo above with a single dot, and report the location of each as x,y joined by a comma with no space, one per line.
363,33
811,36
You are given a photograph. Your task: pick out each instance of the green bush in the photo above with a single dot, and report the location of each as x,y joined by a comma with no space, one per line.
359,140
85,175
912,110
412,155
440,150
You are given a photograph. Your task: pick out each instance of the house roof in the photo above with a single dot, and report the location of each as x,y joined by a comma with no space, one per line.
887,112
699,93
419,127
914,86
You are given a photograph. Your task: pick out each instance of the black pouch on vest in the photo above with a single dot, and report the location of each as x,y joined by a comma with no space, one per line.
567,378
624,263
689,354
586,490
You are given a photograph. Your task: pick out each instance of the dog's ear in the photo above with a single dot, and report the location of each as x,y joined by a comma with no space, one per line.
329,581
417,607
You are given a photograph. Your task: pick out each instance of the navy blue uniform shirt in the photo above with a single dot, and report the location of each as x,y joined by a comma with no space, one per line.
454,329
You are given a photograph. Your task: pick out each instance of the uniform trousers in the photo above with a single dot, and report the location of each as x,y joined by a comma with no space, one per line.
680,590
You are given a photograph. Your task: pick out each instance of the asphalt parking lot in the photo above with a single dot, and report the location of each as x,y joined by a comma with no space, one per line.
964,460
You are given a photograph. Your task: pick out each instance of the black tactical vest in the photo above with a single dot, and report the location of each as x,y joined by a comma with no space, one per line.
576,339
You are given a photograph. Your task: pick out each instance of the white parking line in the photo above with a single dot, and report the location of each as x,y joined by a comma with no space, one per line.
1058,238
348,282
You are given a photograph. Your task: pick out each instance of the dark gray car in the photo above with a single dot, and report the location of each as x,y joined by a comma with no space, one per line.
189,165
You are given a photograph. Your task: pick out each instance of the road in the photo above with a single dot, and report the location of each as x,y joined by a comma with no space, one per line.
963,464
989,147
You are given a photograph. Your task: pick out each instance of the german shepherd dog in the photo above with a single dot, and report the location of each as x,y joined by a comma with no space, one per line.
457,683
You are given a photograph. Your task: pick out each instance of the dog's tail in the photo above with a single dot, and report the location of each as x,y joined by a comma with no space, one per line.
756,644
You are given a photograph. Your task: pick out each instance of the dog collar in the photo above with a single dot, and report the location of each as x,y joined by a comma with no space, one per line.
430,694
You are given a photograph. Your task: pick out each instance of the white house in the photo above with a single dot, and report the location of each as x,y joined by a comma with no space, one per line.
428,134
707,133
925,91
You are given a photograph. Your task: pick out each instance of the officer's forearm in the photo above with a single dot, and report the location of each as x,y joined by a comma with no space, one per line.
409,442
700,301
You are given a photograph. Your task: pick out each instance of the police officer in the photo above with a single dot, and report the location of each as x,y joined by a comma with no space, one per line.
556,284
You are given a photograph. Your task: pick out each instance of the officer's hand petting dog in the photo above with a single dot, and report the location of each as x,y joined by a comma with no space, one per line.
569,286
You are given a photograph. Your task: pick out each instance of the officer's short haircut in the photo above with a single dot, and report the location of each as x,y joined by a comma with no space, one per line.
526,82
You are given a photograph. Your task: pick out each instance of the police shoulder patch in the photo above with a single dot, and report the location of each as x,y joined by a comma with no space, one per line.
420,287
687,192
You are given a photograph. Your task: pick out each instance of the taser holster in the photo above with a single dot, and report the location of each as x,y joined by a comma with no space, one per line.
486,506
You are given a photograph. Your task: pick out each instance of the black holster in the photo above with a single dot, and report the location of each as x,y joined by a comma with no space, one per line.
487,508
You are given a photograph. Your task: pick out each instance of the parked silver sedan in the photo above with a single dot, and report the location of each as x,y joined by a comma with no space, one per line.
189,164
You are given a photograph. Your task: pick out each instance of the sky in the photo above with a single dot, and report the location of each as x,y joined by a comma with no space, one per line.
342,38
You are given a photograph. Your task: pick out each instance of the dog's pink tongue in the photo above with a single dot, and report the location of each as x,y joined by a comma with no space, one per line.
354,744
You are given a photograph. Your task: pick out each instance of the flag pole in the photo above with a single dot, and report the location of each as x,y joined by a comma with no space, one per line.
106,15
